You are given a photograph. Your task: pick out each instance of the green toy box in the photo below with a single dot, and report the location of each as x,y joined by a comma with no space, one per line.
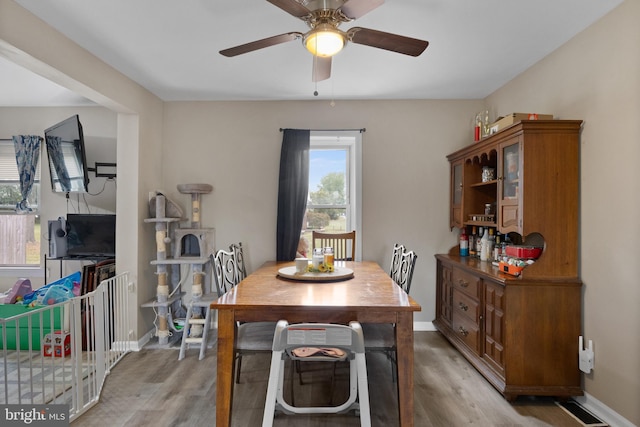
39,321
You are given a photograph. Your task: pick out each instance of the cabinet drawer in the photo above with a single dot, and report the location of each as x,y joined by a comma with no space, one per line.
467,331
466,306
466,282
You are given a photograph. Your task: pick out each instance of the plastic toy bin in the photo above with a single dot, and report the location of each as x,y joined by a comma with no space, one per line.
39,320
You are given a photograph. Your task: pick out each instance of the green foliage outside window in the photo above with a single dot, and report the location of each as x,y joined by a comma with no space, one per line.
331,191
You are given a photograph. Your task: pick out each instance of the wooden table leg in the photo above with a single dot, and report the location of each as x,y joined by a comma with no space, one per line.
225,367
404,343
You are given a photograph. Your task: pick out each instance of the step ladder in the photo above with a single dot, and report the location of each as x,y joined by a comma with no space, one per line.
189,329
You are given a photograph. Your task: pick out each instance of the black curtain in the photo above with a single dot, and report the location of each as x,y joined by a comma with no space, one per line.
293,188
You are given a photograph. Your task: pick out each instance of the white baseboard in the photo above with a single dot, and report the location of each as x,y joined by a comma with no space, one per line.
602,411
137,345
423,326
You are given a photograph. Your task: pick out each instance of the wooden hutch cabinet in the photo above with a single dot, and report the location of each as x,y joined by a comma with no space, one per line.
520,332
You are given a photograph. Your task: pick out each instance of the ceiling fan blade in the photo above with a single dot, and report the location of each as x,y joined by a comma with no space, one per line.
292,7
321,68
260,44
354,9
388,41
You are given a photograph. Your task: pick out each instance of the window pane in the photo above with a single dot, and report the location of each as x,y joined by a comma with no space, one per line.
326,219
10,181
328,197
327,177
20,232
20,240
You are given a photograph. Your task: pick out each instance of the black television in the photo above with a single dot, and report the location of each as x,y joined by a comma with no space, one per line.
91,235
67,159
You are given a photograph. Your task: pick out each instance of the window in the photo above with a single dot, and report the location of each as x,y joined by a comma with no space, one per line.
333,203
20,232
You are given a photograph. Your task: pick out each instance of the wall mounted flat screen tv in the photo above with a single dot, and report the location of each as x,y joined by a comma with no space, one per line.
91,235
67,158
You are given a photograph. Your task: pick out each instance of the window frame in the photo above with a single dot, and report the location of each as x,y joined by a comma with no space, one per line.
351,140
9,175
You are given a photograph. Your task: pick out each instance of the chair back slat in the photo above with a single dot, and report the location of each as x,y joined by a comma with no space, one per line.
405,272
343,244
236,248
225,271
396,255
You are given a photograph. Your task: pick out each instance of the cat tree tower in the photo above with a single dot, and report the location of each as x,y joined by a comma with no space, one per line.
192,246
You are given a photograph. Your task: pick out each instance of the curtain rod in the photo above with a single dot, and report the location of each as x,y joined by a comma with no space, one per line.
361,130
11,139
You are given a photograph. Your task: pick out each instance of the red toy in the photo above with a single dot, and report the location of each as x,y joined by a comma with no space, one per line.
57,344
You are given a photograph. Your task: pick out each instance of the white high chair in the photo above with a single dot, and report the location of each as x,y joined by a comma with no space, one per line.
318,342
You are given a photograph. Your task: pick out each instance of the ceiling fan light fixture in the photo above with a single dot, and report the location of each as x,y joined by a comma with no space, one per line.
324,40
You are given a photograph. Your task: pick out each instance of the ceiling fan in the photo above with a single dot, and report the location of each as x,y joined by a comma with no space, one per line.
325,39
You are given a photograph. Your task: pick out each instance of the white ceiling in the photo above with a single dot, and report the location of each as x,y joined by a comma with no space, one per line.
171,48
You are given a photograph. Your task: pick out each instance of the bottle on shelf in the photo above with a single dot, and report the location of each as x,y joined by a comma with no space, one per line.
497,249
486,125
484,246
464,242
492,244
479,241
472,242
505,242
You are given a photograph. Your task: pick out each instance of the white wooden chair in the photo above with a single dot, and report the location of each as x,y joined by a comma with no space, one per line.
318,342
343,244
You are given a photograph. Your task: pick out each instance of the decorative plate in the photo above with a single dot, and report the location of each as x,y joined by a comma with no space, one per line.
339,273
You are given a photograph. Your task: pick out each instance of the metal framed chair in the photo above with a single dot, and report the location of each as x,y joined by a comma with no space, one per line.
404,276
331,343
252,337
343,244
237,250
381,337
398,250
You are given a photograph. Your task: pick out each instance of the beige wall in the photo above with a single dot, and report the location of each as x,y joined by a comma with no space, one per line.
235,146
596,77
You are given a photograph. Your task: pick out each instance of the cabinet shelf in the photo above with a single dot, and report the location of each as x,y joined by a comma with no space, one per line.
168,219
154,302
485,184
480,223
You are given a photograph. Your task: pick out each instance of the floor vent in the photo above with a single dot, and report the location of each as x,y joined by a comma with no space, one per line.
574,409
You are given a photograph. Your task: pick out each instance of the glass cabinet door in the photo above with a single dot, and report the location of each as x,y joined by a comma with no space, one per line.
511,171
456,195
510,186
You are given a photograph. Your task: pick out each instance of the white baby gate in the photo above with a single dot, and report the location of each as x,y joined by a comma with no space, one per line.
61,354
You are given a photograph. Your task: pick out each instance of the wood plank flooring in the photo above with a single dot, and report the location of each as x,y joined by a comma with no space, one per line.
152,388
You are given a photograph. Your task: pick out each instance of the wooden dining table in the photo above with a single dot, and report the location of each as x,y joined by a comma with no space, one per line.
369,296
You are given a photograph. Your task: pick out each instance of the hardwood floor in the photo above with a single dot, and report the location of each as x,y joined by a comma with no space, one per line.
152,388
